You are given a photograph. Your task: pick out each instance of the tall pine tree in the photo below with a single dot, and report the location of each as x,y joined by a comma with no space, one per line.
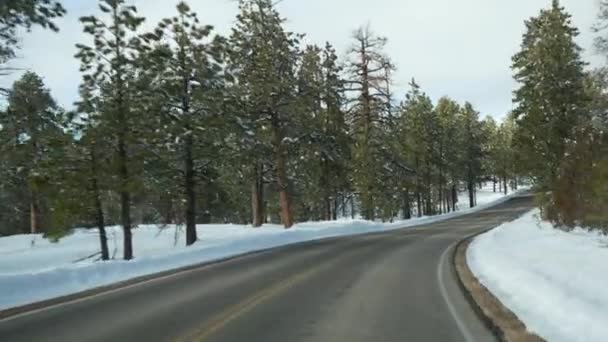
185,63
550,98
109,63
33,125
263,59
369,99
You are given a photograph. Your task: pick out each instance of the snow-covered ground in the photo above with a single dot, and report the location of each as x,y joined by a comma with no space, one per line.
33,268
556,282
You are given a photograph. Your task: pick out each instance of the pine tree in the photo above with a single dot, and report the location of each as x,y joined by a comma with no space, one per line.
263,59
502,155
313,182
551,96
86,179
13,200
323,135
597,84
472,147
416,120
368,69
579,196
490,131
109,62
449,152
428,168
338,143
33,123
185,63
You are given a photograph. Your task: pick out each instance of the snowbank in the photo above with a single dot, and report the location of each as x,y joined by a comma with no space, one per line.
555,282
34,269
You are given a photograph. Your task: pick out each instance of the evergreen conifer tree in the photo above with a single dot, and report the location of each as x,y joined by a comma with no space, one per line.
185,67
263,59
109,63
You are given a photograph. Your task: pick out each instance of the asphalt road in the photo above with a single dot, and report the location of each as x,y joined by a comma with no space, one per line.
397,286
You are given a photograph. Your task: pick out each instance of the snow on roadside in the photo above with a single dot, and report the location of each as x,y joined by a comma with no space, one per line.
34,269
554,281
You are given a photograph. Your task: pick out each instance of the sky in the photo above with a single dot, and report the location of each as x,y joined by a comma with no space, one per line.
458,48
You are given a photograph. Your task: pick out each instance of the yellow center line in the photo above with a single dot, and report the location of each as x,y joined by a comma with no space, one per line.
233,312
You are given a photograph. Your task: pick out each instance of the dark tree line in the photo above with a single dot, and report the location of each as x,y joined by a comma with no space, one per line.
181,125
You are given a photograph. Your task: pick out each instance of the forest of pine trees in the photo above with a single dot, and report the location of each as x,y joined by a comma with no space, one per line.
181,125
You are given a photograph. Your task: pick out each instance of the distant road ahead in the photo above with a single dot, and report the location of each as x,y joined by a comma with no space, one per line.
397,286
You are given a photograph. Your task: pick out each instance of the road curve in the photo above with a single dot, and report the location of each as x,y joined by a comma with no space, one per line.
396,286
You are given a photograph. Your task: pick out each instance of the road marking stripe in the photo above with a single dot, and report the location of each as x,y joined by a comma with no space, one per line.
464,330
228,315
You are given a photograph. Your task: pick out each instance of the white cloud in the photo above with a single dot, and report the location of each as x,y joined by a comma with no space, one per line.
458,48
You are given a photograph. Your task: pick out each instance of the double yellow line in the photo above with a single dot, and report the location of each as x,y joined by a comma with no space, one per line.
230,314
222,319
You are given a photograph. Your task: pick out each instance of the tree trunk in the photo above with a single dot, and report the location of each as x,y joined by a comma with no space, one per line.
99,216
428,201
471,187
325,188
284,202
35,222
505,185
283,184
190,189
169,212
280,155
454,197
368,207
335,211
326,209
125,199
407,213
513,184
417,194
428,196
448,200
494,182
440,199
257,195
266,217
418,202
441,194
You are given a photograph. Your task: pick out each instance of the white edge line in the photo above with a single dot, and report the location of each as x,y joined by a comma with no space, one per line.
464,330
